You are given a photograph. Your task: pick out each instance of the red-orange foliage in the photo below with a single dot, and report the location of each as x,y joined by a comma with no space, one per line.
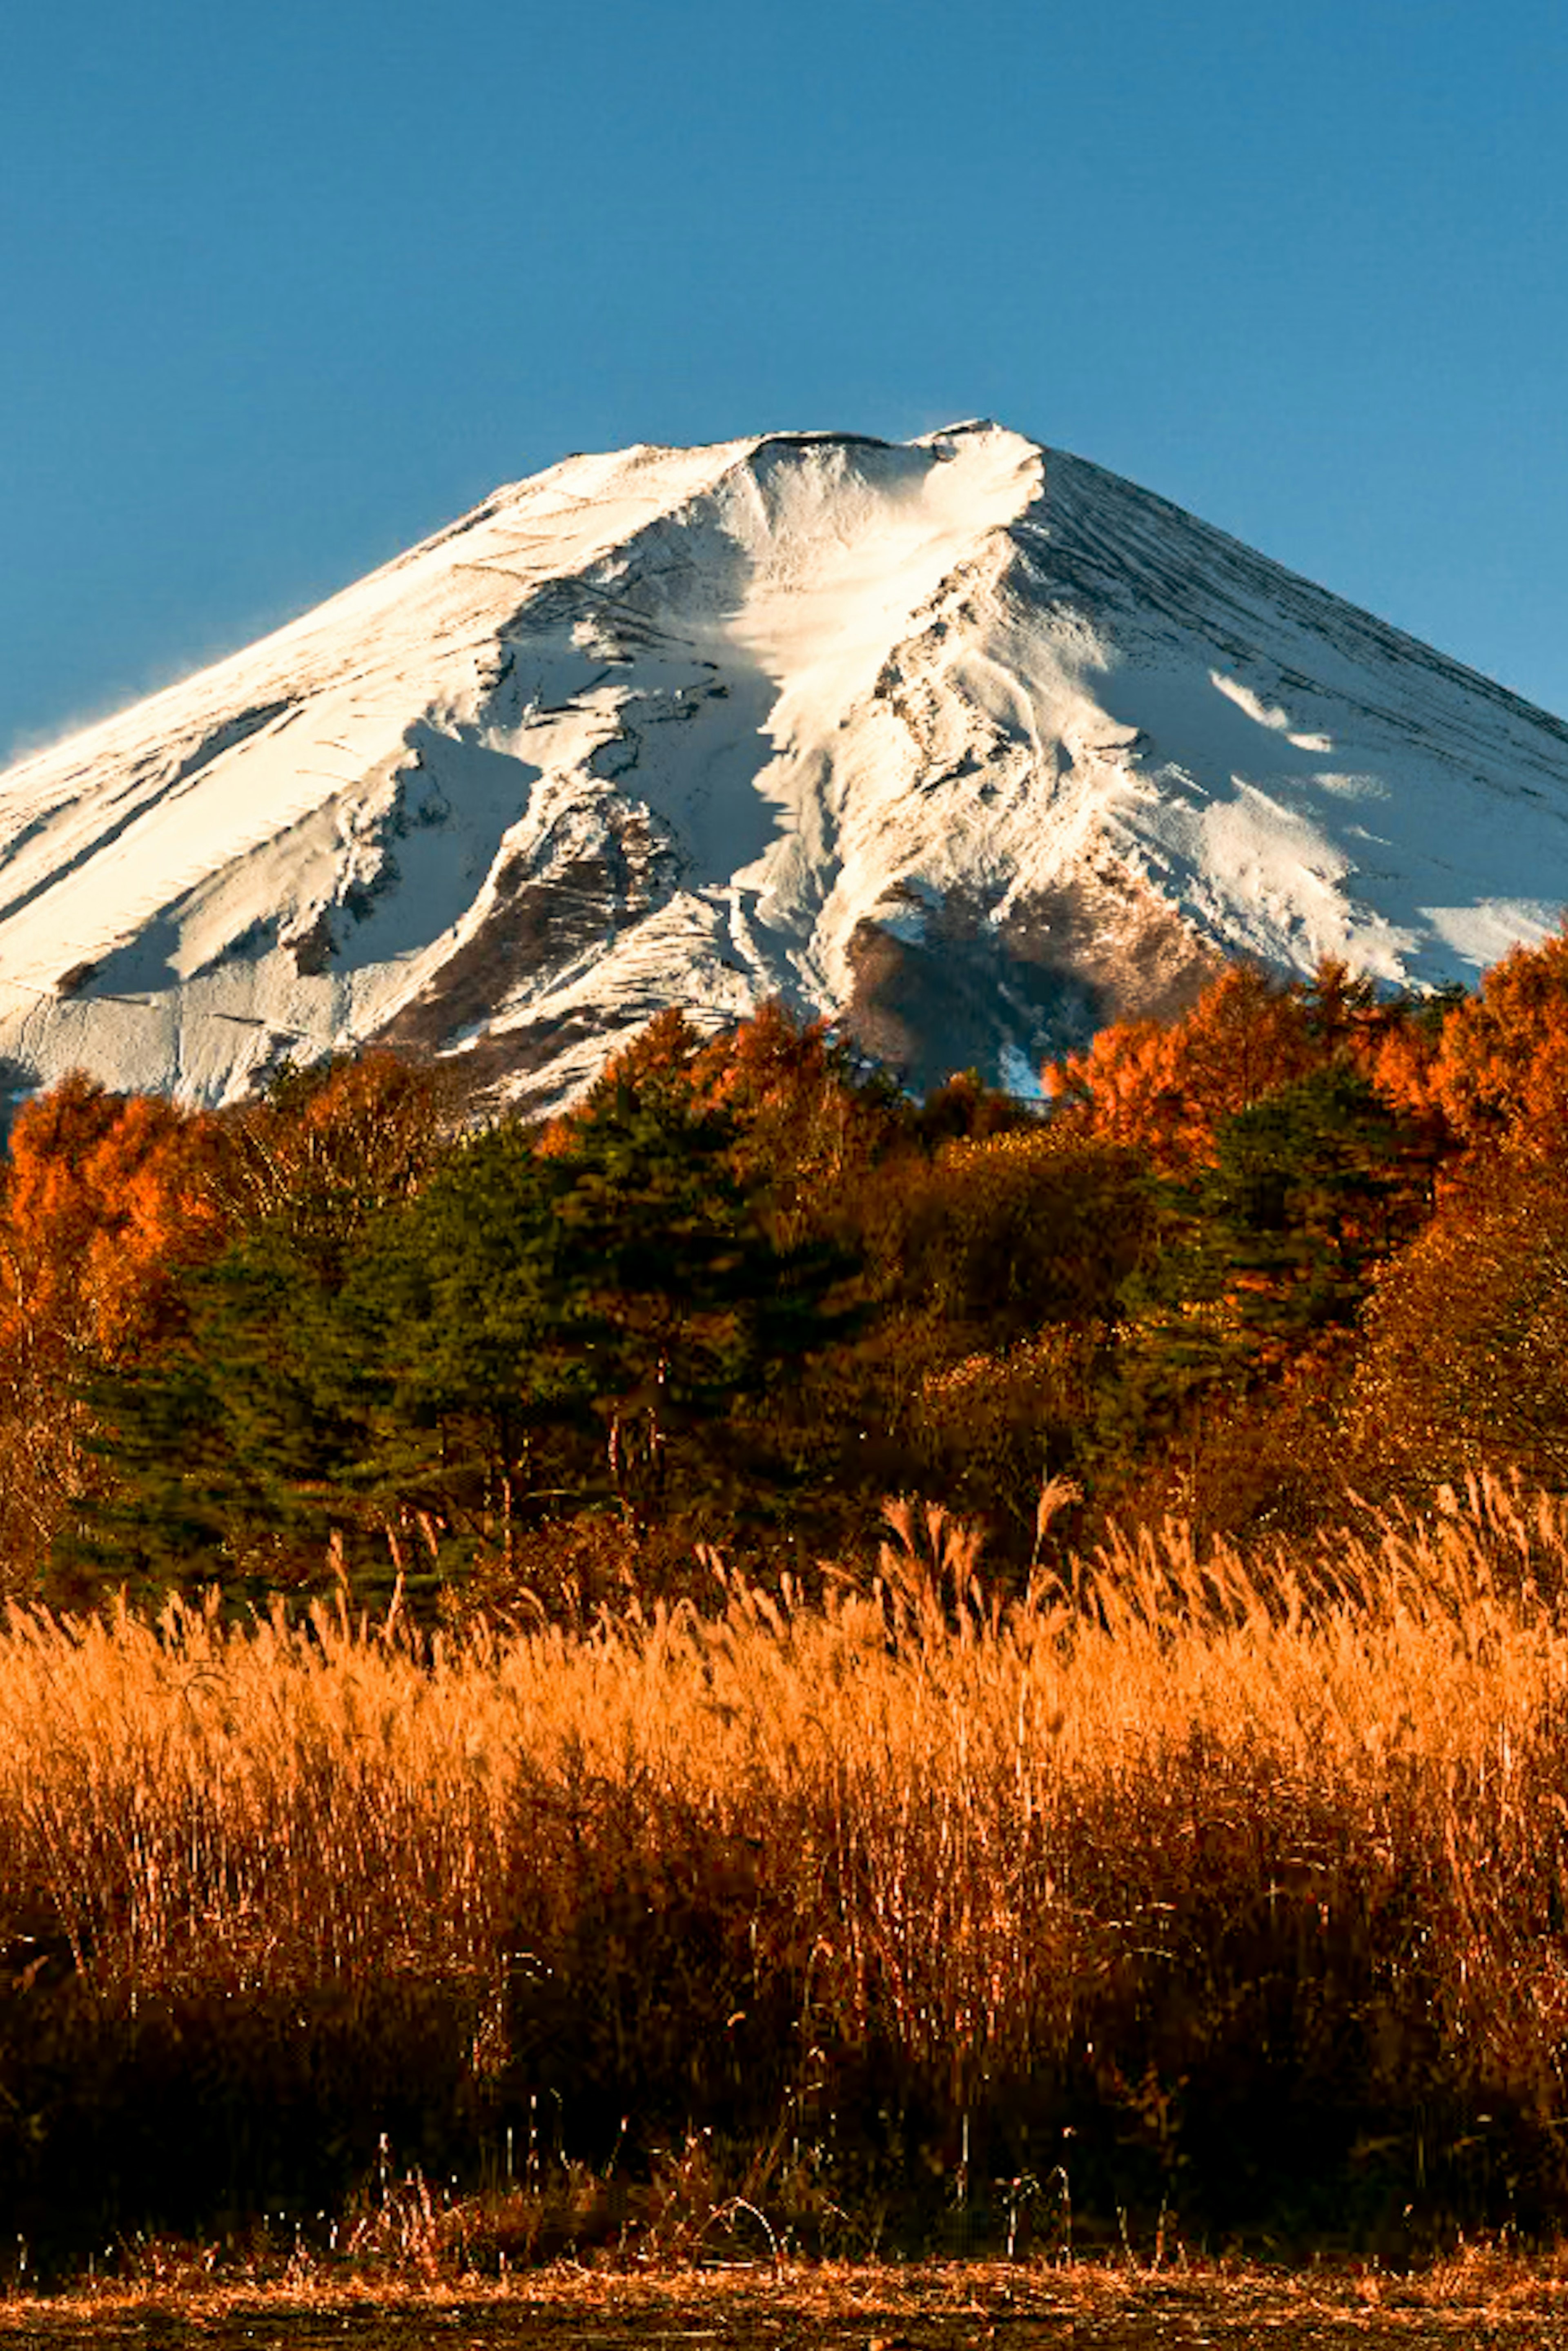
106,1200
1500,1069
109,1200
1400,1059
768,1062
1164,1088
807,1123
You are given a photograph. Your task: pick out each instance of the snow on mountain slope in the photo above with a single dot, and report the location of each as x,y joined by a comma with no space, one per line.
966,740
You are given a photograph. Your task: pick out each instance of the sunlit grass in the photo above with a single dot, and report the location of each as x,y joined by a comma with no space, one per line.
1170,1836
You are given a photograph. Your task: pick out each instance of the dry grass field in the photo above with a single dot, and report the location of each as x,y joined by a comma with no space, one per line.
1198,1900
1478,2299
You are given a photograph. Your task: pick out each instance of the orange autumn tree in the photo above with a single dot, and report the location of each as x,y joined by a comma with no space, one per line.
105,1202
1500,1073
1285,1177
811,1121
1166,1088
1466,1358
329,1145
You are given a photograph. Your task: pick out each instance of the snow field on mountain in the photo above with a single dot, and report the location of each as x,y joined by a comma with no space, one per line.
964,737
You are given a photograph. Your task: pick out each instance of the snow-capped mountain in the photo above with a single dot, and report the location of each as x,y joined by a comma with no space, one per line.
965,740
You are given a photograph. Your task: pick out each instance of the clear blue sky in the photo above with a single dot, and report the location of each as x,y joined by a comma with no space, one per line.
283,288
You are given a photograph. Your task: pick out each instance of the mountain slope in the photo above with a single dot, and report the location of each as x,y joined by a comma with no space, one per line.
966,740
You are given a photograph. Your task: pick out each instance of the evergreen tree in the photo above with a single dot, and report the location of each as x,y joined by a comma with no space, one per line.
537,1328
236,1445
467,1341
227,1447
692,1303
1266,1253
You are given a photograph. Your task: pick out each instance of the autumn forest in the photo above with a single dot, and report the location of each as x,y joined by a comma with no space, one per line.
1303,1246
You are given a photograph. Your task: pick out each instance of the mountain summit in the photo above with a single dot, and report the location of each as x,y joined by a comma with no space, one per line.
964,741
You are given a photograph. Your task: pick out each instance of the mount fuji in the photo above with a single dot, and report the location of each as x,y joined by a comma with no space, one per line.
964,741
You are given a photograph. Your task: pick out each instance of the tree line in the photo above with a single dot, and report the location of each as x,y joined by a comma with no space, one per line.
1304,1238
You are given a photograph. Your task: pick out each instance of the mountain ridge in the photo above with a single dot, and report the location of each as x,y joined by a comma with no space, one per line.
964,741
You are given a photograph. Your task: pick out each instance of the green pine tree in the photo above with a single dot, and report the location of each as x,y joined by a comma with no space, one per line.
1266,1253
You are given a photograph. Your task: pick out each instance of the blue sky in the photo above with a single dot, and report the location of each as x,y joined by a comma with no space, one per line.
283,288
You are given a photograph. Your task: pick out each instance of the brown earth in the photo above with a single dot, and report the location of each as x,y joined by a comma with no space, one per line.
1483,2300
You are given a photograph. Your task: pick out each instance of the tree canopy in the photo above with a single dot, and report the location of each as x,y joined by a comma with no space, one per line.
744,1290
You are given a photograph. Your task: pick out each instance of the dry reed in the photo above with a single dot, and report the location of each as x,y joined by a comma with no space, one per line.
1235,1884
